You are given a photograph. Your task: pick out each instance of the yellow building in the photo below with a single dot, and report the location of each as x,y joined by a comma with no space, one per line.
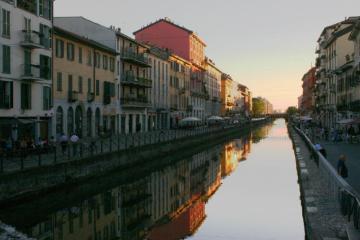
227,99
179,89
84,85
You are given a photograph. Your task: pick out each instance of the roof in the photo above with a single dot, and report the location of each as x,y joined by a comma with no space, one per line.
167,20
338,34
349,20
75,37
120,34
355,31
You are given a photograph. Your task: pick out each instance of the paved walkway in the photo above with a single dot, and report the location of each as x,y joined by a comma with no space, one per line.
321,210
352,152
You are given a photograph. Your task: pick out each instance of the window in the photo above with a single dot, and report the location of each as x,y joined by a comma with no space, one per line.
70,83
80,55
5,23
46,98
45,8
105,62
89,85
27,5
25,96
45,67
97,87
6,95
59,48
59,82
70,51
97,60
80,84
112,64
45,36
6,59
89,58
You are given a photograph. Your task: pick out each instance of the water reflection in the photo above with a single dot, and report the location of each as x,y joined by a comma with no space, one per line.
164,204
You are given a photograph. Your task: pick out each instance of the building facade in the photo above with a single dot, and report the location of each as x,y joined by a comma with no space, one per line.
307,99
213,88
25,69
159,113
84,86
227,99
180,106
334,73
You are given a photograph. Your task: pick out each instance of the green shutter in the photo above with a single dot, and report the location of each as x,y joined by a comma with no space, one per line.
11,95
6,59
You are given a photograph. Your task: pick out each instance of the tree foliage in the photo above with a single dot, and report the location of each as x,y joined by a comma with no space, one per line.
258,106
292,110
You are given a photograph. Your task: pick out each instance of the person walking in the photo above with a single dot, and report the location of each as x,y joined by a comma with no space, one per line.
74,140
341,167
63,143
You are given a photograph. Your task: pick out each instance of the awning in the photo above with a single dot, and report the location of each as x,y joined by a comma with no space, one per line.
346,121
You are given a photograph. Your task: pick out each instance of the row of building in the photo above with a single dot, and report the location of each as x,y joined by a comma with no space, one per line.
70,74
167,203
331,89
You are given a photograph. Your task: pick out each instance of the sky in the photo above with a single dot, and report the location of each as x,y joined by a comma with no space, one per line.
267,45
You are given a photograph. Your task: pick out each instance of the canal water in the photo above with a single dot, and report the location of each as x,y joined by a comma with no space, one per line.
245,188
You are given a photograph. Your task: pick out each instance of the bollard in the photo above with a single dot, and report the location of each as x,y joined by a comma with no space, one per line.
110,140
55,155
101,146
81,150
21,161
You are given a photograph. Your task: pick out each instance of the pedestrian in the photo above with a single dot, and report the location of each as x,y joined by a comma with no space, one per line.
321,150
341,167
63,142
351,133
74,139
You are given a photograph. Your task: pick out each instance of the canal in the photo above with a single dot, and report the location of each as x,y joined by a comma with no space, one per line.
245,188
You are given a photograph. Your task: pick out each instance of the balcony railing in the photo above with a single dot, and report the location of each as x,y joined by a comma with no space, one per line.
31,40
73,96
132,56
130,101
31,72
128,79
90,97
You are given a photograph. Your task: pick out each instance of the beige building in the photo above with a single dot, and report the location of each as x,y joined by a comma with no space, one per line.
227,99
84,85
179,89
213,87
334,73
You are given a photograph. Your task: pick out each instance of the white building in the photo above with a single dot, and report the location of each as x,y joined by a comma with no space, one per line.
160,92
25,68
213,87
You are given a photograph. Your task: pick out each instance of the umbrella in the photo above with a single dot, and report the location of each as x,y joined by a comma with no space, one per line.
189,121
305,118
346,121
215,118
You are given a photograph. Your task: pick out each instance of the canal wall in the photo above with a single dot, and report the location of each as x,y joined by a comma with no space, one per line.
17,187
321,209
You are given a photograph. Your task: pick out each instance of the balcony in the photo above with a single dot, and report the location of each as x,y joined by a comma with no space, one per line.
136,201
32,72
189,108
355,106
131,80
31,40
90,97
135,102
174,107
182,90
130,55
73,96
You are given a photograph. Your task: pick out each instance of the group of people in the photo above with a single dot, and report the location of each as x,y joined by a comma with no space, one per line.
25,144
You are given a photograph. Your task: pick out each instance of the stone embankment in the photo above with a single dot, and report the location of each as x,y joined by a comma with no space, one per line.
13,187
320,201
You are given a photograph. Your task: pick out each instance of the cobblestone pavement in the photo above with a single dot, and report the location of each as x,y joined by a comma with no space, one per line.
352,151
322,214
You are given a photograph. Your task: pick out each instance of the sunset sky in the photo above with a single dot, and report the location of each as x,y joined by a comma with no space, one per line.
266,45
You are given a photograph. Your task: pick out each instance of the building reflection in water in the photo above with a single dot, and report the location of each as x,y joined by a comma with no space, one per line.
168,203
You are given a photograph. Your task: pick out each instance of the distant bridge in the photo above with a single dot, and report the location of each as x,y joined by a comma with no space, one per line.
274,115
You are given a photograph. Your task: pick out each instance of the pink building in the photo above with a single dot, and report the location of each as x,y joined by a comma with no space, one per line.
180,40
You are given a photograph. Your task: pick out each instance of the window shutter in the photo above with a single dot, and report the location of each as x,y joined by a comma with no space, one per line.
11,101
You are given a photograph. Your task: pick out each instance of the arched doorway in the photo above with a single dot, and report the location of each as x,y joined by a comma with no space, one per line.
59,121
89,122
97,122
70,121
78,121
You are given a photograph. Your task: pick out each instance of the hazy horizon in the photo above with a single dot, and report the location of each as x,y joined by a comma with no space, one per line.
265,45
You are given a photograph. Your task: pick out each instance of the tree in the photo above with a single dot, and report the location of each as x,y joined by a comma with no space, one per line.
292,111
258,106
